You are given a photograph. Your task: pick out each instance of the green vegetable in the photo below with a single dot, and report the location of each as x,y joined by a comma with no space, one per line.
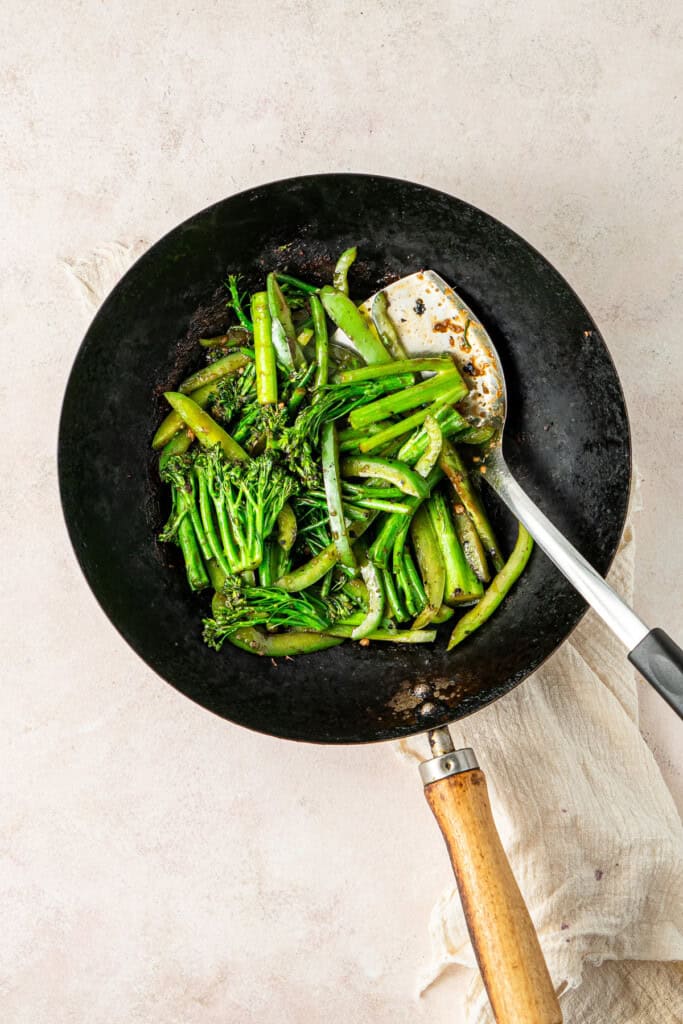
342,311
339,278
321,342
235,301
338,531
432,570
461,584
448,382
266,374
214,371
206,430
455,470
396,473
385,327
500,587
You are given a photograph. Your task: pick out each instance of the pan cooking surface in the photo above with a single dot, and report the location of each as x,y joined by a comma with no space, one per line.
567,441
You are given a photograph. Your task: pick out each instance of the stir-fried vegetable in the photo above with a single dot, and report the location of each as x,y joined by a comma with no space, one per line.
320,494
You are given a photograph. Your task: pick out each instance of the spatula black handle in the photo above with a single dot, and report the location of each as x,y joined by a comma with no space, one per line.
660,661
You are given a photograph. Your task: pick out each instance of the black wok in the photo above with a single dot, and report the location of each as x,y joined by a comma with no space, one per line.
567,441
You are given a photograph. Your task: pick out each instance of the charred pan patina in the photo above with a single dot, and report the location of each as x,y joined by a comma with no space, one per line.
567,442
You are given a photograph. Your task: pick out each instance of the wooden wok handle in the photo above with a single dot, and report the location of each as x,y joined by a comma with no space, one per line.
503,936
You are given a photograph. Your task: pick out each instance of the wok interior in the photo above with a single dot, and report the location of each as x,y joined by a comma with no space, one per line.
567,441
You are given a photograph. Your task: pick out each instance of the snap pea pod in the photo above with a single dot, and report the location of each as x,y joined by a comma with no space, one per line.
384,326
450,422
470,541
443,615
213,372
341,271
286,527
396,473
174,422
332,481
432,569
501,585
461,585
177,445
321,342
266,374
205,429
282,330
425,464
455,470
342,311
310,572
376,598
282,645
418,394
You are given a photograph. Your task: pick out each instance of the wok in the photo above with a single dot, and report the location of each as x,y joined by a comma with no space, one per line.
567,441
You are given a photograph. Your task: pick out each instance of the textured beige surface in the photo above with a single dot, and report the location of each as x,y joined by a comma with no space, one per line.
145,876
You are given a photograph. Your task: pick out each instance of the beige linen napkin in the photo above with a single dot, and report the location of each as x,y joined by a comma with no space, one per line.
590,828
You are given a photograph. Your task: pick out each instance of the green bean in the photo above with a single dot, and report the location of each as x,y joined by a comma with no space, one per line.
332,481
461,584
266,374
177,445
394,599
282,645
385,327
321,342
205,429
396,473
310,572
340,275
418,394
213,372
412,584
500,587
379,504
194,566
303,286
470,541
432,569
342,311
301,390
455,470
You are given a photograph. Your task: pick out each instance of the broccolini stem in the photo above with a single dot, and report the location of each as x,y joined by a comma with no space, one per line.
430,390
194,566
236,303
